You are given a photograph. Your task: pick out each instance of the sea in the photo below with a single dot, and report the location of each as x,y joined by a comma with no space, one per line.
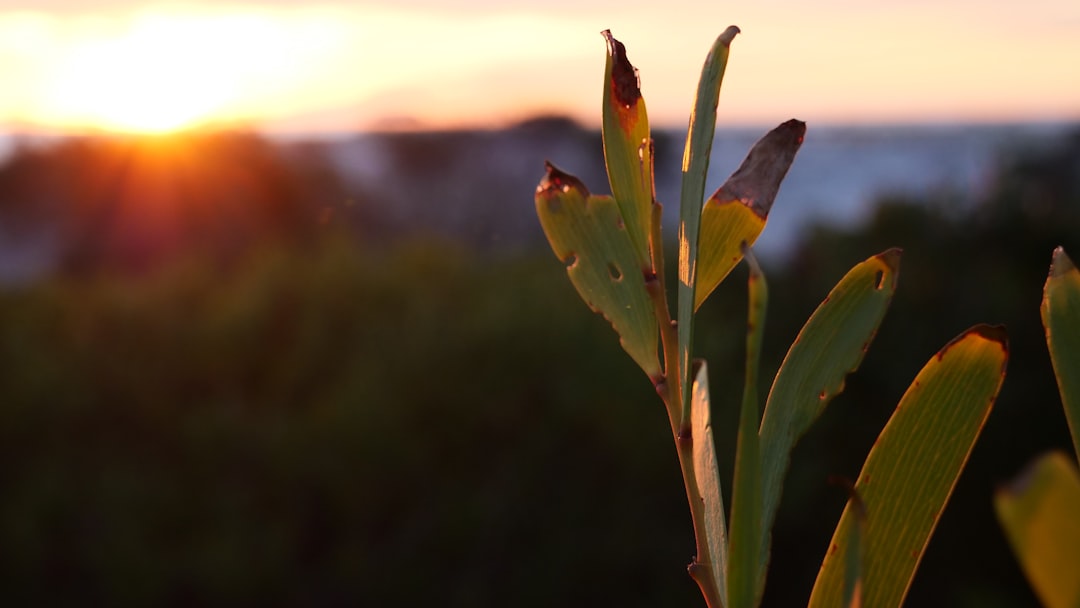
841,172
480,185
477,186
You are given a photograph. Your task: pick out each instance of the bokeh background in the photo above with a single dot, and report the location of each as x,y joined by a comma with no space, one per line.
319,353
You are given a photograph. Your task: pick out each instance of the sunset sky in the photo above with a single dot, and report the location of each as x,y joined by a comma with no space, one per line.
324,66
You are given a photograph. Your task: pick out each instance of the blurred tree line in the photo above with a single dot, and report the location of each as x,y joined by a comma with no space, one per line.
226,394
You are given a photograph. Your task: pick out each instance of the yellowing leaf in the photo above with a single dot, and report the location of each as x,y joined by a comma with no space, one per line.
588,234
725,228
628,151
911,470
1061,318
1040,512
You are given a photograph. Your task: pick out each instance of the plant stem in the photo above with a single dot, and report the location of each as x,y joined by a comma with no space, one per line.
655,284
669,387
701,568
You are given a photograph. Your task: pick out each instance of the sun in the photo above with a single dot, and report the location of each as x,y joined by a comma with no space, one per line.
159,76
139,95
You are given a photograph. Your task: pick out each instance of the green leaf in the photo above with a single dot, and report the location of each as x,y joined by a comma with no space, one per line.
1040,512
911,470
736,213
830,346
628,150
743,563
1061,318
853,555
695,164
588,234
707,476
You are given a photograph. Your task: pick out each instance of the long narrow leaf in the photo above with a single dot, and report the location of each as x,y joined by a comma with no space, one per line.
1061,318
853,551
707,474
628,151
1040,512
830,346
695,165
853,564
911,470
588,234
743,564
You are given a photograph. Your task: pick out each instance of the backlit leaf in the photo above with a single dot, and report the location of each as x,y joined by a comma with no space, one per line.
695,164
707,475
1061,318
829,347
737,211
744,561
588,234
911,470
1040,512
628,150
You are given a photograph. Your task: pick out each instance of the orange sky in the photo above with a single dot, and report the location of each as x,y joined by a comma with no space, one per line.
336,66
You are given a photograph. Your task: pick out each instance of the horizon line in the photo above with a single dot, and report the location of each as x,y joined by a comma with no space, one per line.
271,131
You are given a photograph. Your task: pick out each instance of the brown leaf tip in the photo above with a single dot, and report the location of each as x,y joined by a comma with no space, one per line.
757,180
729,35
891,258
624,78
992,333
557,180
794,128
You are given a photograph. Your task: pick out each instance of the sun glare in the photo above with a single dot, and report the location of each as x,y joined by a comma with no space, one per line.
151,79
170,65
162,73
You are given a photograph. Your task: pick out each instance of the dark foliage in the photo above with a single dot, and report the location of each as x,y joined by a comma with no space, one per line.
316,422
135,203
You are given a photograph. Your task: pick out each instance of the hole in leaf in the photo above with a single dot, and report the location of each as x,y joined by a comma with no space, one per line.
879,277
570,260
613,270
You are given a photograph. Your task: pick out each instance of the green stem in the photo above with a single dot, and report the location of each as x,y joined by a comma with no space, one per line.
669,387
655,282
701,568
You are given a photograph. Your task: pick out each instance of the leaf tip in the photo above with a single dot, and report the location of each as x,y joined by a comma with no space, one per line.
556,181
993,333
996,334
1019,484
891,258
795,128
757,180
1061,263
624,80
729,35
751,261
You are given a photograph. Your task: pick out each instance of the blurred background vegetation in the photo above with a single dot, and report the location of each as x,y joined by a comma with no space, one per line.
227,375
